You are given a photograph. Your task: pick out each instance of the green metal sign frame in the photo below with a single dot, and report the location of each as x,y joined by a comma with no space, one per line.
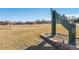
62,20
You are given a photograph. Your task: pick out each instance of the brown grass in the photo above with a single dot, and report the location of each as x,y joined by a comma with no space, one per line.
24,36
21,36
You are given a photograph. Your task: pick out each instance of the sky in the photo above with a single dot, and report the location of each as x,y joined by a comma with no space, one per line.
32,14
24,14
68,11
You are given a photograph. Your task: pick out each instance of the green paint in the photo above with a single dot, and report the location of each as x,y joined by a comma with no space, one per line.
53,23
70,27
72,35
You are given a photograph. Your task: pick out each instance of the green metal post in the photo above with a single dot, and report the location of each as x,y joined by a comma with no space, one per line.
72,35
53,23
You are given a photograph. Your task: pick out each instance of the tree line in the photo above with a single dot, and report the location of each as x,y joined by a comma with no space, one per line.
70,19
73,19
26,22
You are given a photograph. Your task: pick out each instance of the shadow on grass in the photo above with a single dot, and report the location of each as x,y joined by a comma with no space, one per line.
41,47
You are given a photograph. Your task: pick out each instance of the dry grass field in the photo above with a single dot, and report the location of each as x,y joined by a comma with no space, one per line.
23,36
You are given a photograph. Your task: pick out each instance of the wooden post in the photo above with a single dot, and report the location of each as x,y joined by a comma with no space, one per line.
10,26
